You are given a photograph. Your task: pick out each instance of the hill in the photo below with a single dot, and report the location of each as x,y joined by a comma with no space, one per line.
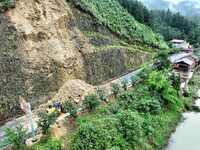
168,23
44,44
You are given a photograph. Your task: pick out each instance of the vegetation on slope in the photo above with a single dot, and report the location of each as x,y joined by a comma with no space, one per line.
111,14
140,118
137,118
170,25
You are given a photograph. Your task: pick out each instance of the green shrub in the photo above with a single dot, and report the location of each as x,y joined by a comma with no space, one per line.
101,94
126,99
158,81
124,84
140,100
48,144
115,88
68,107
131,127
46,120
91,102
17,137
163,61
114,108
143,75
134,80
148,104
176,81
98,134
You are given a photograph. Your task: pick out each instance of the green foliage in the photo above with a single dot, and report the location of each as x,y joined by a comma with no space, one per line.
134,80
68,107
124,84
115,89
176,81
116,18
131,127
162,58
91,102
143,75
101,94
126,99
6,4
148,104
174,25
46,120
141,100
138,10
17,137
157,81
48,143
170,25
98,134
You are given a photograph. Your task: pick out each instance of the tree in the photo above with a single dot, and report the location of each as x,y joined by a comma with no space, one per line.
115,88
68,107
134,80
131,127
17,137
46,120
91,102
101,93
137,9
124,84
163,60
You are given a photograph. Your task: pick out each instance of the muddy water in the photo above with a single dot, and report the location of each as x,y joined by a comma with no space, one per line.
187,134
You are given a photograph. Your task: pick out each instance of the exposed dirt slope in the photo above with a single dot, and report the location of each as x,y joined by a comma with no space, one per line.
41,48
46,43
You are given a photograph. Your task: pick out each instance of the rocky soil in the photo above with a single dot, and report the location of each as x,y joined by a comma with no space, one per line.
45,53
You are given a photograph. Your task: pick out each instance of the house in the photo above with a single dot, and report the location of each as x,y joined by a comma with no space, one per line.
173,58
181,44
184,64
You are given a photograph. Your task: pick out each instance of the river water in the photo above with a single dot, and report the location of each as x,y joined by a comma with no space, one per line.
187,134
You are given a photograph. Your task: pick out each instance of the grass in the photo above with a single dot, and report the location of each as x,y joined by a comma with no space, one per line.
47,143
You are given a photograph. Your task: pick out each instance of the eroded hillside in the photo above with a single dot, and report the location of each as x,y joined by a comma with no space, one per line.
45,43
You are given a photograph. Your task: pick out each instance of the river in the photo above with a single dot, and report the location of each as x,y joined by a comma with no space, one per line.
187,134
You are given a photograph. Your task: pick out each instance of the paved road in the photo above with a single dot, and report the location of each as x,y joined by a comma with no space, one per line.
127,77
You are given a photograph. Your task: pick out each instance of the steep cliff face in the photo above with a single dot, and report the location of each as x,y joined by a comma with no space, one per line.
40,49
46,43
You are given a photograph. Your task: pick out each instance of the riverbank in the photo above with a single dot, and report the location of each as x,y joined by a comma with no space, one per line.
150,111
185,134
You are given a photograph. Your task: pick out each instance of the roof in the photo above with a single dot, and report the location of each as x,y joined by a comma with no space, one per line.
175,57
177,41
186,60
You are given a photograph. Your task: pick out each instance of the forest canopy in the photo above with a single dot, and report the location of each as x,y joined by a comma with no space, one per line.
169,24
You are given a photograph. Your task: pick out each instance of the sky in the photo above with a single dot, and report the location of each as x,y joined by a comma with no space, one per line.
186,7
176,1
